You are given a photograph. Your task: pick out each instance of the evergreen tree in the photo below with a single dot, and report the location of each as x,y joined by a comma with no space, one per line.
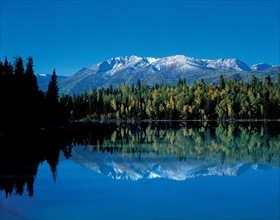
222,82
254,82
7,68
6,92
53,108
33,97
2,103
278,82
52,92
18,96
21,101
30,77
1,68
267,80
19,69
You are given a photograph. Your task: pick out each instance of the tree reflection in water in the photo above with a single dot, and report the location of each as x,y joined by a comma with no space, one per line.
22,152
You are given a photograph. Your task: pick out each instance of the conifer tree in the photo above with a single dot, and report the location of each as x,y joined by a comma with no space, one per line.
7,68
53,108
31,79
278,81
6,91
52,93
18,107
1,68
222,82
19,69
34,98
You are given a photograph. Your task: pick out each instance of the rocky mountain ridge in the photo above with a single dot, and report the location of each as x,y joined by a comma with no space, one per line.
130,69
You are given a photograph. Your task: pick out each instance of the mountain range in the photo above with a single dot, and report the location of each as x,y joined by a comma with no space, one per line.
130,69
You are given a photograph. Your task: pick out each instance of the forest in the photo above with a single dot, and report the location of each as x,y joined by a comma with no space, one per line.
230,100
24,104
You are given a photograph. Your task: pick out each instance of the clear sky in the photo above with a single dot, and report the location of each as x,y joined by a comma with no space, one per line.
69,35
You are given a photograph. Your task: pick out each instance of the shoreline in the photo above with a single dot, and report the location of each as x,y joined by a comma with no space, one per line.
80,124
118,121
83,122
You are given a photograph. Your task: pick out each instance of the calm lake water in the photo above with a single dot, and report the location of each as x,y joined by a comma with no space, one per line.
142,171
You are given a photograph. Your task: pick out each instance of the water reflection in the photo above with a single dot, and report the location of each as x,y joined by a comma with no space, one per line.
22,153
133,151
231,142
180,151
152,166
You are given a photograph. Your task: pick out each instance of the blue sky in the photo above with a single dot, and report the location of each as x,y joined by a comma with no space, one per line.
69,35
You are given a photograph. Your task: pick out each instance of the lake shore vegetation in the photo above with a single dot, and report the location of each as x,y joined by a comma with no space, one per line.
24,104
230,100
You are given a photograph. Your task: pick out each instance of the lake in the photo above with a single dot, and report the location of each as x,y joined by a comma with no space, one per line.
160,170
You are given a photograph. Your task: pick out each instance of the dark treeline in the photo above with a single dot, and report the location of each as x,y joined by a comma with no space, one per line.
22,103
231,99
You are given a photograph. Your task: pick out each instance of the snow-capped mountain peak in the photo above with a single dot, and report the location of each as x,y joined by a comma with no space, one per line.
150,60
130,69
116,63
183,62
42,75
227,64
260,66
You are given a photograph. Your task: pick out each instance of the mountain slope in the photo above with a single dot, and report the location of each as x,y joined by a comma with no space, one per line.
260,67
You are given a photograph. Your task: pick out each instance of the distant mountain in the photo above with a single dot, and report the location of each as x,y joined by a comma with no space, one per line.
130,69
150,166
260,67
220,64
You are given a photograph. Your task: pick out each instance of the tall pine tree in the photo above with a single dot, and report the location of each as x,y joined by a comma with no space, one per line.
18,96
52,100
31,80
33,98
222,82
52,93
19,69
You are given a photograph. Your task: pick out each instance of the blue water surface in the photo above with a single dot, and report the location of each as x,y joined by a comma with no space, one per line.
142,171
80,193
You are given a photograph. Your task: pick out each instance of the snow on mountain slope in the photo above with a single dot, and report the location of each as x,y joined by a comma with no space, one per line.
116,64
260,67
130,69
228,65
221,64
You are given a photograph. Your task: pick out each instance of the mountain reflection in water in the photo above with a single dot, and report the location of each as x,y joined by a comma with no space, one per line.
153,166
176,151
